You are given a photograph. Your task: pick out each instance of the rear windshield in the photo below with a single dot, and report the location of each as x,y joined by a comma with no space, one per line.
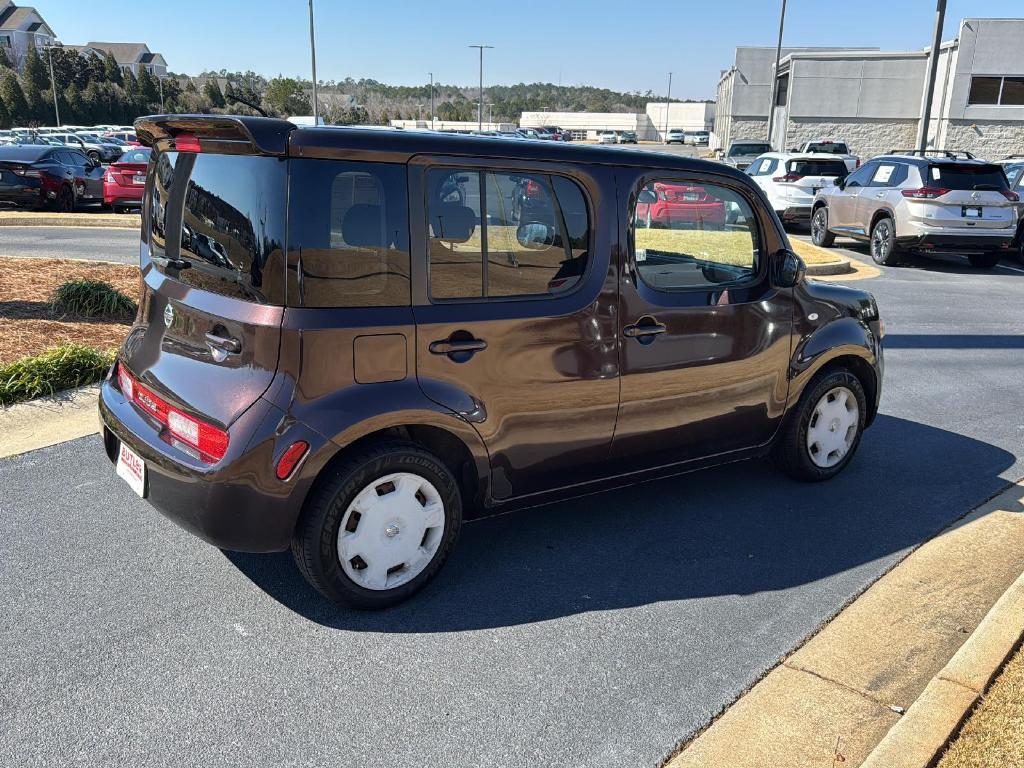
749,149
217,223
817,167
828,147
963,177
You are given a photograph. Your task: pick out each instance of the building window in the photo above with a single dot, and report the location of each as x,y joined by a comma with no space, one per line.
781,90
989,90
5,41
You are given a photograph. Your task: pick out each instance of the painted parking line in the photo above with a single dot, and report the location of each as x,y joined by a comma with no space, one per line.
1018,270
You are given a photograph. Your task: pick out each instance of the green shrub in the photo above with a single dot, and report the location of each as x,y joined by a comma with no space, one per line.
92,298
63,367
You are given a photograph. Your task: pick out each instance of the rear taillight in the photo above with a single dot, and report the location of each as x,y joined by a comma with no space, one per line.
211,442
1013,197
187,142
789,177
532,188
924,193
28,172
110,178
290,459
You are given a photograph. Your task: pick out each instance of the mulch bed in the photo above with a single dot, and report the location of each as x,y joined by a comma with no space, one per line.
29,324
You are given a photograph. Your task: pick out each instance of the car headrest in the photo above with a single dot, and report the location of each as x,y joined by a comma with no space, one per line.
361,227
453,223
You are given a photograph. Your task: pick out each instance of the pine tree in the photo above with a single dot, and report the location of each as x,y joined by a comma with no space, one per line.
111,70
5,62
93,104
5,116
148,88
214,94
74,105
34,75
14,98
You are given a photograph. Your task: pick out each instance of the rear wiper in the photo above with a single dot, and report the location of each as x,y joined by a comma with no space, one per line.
987,187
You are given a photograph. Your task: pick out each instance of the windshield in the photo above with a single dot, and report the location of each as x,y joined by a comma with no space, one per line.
828,147
968,177
817,167
749,149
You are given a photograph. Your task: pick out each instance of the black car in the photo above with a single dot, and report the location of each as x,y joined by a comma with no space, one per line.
348,339
37,176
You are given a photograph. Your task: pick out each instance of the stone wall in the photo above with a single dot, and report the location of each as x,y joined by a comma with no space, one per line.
992,140
866,138
747,129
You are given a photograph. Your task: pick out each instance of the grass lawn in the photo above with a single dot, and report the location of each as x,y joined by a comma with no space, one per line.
994,736
30,325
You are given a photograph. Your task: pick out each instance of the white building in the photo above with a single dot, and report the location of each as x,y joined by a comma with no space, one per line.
873,99
454,126
21,28
648,126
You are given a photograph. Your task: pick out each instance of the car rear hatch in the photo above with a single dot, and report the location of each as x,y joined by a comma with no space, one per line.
207,337
805,176
964,196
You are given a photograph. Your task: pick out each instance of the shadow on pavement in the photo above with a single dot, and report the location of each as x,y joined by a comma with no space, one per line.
734,530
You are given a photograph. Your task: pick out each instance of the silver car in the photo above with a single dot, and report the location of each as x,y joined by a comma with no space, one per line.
933,202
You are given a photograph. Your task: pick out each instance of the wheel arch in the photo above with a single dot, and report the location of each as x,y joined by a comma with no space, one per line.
883,213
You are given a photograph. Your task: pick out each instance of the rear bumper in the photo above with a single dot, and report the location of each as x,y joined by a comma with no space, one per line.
23,196
796,214
118,195
959,243
237,504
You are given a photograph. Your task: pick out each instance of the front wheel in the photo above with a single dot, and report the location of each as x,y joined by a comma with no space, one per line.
983,260
883,242
823,431
379,526
820,235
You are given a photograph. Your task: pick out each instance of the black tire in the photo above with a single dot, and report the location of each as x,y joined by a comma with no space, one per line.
882,243
791,452
983,260
822,238
315,542
1020,252
93,154
65,200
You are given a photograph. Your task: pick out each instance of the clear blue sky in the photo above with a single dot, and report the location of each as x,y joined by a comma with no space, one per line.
617,44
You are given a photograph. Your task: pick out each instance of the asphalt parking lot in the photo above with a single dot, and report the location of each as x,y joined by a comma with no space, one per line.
102,243
599,632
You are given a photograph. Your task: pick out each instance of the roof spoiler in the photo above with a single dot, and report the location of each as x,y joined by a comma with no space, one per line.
229,134
962,154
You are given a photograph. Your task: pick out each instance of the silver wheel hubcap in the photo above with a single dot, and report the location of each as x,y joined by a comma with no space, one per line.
818,226
391,531
833,427
880,241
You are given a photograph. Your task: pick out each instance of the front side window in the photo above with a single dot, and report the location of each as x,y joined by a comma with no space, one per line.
348,234
502,234
691,235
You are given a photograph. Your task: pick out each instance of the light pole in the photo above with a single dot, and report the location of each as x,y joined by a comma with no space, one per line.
480,107
490,116
312,55
419,112
775,72
53,81
668,101
160,80
929,88
431,100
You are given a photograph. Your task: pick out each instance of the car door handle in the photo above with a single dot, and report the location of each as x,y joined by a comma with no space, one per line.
225,344
879,194
646,326
450,347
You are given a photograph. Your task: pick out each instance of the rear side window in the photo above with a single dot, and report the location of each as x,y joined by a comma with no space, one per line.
889,175
967,177
817,167
504,234
348,234
828,147
217,223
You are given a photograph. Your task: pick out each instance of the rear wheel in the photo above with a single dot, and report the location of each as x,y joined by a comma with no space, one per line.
65,202
883,242
379,527
820,235
93,154
983,260
823,431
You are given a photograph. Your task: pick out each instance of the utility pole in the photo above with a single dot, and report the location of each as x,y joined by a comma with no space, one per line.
775,72
312,54
668,100
53,86
431,100
490,114
160,80
480,106
929,86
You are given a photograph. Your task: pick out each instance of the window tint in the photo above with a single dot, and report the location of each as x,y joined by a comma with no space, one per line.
996,90
688,235
748,149
348,234
968,177
501,234
889,175
828,147
1013,172
816,167
862,176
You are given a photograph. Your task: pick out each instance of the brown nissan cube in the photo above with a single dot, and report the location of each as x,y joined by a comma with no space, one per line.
350,338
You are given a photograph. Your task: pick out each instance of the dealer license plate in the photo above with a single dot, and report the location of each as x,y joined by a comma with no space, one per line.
132,469
971,212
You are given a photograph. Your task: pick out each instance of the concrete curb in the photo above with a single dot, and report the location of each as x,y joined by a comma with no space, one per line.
929,725
90,220
49,420
838,267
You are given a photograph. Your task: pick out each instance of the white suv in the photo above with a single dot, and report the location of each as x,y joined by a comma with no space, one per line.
790,181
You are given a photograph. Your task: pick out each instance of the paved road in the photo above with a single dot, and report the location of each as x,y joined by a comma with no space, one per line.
595,632
105,244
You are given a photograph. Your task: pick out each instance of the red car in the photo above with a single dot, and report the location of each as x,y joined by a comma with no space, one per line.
125,180
670,205
128,137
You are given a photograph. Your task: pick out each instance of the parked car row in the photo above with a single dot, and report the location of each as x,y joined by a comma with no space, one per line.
104,143
679,136
544,133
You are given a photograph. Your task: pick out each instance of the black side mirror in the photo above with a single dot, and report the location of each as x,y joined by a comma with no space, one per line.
789,269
